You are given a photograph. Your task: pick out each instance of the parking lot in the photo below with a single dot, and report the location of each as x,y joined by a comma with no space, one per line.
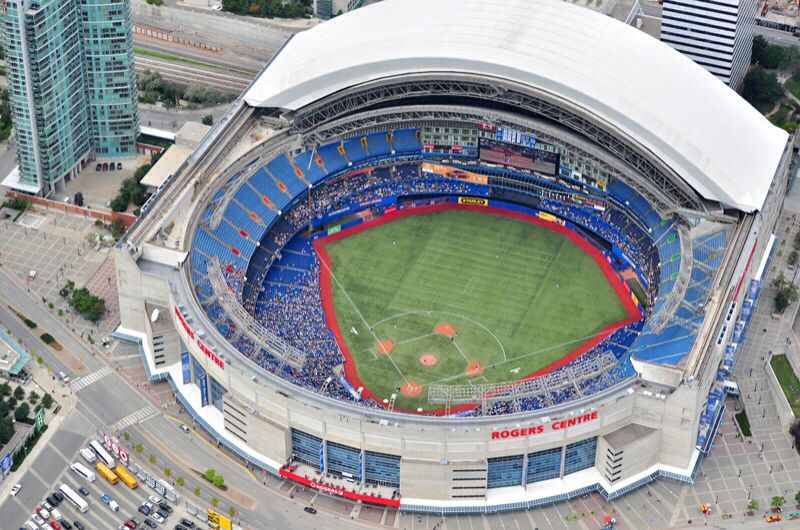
20,508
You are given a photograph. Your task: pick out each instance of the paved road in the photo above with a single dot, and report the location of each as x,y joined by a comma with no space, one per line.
173,120
773,36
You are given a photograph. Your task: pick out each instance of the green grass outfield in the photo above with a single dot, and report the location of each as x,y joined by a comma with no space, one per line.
519,296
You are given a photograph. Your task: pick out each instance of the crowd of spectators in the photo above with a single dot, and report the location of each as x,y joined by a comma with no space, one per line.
284,273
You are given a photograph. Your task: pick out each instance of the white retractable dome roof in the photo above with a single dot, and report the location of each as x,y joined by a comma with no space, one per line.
709,135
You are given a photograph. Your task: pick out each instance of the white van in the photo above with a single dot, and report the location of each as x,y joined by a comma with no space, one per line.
114,506
30,525
88,455
55,514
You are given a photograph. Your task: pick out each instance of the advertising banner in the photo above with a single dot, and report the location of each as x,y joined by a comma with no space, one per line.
186,368
454,173
475,201
218,521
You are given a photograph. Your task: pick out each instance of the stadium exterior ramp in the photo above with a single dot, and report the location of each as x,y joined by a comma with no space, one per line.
728,176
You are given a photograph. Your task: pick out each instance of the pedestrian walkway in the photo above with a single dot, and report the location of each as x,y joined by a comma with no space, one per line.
97,375
143,414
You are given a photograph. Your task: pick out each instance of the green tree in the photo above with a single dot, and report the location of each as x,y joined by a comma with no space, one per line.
151,458
119,203
208,119
761,88
167,472
232,511
219,481
47,401
5,389
180,481
126,436
209,474
214,502
19,393
196,491
6,430
752,505
22,412
91,307
777,501
797,497
33,397
139,448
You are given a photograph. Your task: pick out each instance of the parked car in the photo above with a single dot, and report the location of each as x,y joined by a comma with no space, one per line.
58,495
65,524
38,519
119,165
54,525
150,522
51,500
83,491
154,499
98,167
79,525
43,512
164,506
158,518
187,523
309,509
130,524
144,510
15,489
46,505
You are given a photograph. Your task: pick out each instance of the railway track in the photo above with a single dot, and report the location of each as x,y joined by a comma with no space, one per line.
187,74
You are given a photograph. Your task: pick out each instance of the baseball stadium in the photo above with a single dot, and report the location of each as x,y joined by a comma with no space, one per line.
461,257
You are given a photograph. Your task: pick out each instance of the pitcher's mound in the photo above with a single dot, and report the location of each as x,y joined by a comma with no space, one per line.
428,360
411,389
384,347
446,329
474,368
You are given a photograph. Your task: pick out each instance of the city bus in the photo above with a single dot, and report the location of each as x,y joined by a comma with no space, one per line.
106,473
83,471
76,500
126,477
102,454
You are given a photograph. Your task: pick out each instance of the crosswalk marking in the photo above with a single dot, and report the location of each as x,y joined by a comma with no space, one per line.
143,414
83,382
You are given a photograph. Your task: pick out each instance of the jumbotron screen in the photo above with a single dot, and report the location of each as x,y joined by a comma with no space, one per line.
518,156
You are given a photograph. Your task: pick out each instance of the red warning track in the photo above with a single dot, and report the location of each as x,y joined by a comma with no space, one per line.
350,369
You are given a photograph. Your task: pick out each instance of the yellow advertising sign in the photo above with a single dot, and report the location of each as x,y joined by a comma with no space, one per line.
547,216
477,201
217,521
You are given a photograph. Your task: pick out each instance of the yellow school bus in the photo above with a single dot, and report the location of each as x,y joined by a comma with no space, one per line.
126,477
106,472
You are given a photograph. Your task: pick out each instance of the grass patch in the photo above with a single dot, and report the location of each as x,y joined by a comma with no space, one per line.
744,423
788,381
779,116
793,85
519,296
178,59
28,322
